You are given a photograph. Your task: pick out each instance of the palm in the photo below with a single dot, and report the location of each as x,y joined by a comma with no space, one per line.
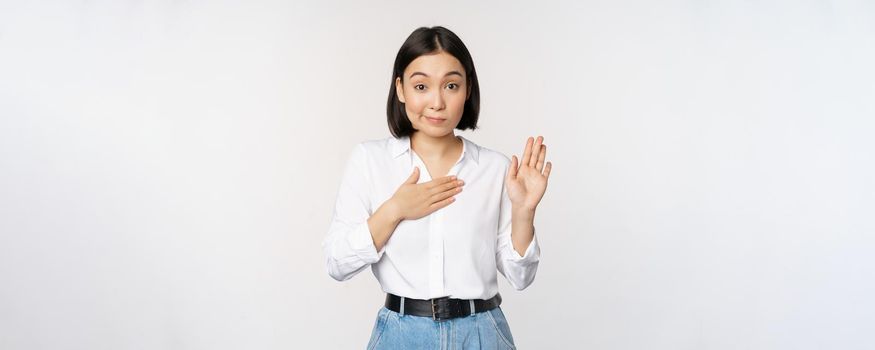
527,181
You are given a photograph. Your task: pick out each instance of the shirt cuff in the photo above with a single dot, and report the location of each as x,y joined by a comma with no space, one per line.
532,253
362,243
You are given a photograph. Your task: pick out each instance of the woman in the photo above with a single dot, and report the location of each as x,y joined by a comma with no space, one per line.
401,208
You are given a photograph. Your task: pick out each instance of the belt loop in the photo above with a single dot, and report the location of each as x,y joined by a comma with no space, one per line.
472,306
402,306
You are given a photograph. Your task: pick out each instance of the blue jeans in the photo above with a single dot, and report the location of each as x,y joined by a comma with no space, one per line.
482,330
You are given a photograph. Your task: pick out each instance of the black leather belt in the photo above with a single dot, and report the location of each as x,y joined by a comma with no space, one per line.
443,308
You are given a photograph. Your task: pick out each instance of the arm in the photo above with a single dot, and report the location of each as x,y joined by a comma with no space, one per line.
517,251
350,246
522,228
383,223
524,187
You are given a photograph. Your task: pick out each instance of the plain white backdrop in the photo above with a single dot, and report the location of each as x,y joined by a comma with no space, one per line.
168,169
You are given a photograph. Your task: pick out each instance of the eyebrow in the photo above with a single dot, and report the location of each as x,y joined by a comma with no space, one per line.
426,75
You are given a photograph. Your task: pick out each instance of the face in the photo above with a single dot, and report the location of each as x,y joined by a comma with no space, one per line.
434,90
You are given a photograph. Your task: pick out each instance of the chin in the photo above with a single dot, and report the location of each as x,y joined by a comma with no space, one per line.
435,132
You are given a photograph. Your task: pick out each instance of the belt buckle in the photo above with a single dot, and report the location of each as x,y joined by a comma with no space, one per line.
435,310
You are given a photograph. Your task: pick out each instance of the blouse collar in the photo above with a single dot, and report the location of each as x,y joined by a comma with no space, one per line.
469,149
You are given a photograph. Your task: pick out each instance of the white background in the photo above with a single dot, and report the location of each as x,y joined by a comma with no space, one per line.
168,169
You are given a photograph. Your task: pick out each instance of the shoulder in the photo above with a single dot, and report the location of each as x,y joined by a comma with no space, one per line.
377,144
374,148
490,157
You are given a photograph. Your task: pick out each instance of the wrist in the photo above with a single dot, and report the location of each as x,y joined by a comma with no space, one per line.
393,211
523,213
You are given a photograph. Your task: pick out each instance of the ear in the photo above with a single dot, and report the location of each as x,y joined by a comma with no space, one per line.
469,90
399,90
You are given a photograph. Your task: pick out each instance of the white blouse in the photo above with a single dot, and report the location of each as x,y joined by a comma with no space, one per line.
454,251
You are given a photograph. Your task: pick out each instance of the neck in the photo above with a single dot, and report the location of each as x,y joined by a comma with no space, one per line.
434,147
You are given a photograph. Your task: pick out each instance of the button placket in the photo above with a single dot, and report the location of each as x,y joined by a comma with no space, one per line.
435,235
435,241
436,258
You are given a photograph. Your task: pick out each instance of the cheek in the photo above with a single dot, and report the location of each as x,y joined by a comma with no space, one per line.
415,105
457,104
459,101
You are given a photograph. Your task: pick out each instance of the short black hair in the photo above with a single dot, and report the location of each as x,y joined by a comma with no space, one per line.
424,41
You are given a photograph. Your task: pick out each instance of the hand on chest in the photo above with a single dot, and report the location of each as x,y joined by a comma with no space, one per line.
470,222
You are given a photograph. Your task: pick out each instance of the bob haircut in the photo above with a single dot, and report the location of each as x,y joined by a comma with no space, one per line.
424,41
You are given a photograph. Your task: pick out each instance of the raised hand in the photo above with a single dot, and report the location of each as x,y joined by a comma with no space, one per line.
412,201
527,182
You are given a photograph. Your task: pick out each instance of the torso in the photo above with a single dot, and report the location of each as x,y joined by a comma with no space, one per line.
454,250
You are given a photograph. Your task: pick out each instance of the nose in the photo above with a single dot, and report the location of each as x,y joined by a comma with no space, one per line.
437,102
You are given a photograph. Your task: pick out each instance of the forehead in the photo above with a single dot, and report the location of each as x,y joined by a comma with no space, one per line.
435,65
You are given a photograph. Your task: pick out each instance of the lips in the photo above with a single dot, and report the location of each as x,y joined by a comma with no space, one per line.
434,120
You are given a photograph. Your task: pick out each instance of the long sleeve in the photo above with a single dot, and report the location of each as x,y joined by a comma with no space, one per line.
518,270
349,247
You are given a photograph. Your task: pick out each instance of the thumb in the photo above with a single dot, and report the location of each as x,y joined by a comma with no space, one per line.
513,169
413,177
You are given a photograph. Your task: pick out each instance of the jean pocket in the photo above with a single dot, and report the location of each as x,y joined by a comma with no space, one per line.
497,317
379,327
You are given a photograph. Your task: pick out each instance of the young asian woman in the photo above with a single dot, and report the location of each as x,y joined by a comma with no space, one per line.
434,214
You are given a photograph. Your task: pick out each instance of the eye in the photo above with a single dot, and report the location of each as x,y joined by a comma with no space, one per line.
417,87
455,86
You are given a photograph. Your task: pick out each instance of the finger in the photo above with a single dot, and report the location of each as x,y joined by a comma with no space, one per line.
541,155
437,198
512,172
547,169
414,177
527,153
440,181
446,187
441,204
536,151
